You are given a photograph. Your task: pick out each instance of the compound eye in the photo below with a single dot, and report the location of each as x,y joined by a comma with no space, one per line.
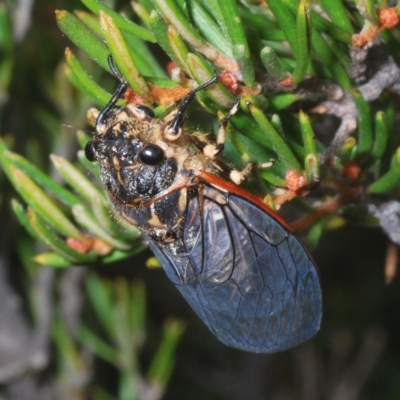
90,151
151,155
145,113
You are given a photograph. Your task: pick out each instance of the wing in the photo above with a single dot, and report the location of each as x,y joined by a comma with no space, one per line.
247,277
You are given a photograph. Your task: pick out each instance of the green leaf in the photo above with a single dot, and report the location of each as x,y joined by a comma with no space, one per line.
101,298
163,362
235,30
249,127
54,260
215,10
346,153
272,64
41,203
314,234
381,136
389,180
51,240
173,14
6,48
22,216
329,60
160,30
282,101
97,7
311,163
364,143
111,222
209,29
142,12
69,356
178,47
9,158
286,21
282,150
76,179
272,178
90,87
97,345
202,72
90,20
122,56
319,22
246,147
146,62
83,38
118,255
338,14
303,41
137,310
87,221
169,10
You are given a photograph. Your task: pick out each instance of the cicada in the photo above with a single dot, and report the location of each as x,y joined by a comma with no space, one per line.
236,262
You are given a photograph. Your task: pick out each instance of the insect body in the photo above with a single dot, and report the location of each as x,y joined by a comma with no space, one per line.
235,261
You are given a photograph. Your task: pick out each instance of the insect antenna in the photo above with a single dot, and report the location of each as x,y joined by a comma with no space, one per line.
180,115
115,97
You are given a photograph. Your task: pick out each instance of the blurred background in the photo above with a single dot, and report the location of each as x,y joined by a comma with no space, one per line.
356,354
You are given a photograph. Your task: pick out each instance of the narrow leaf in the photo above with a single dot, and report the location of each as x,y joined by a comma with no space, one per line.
271,63
209,28
389,180
381,136
281,148
88,222
76,179
202,72
12,159
94,90
238,39
338,14
97,7
364,143
163,362
54,260
122,57
51,240
303,41
79,34
40,202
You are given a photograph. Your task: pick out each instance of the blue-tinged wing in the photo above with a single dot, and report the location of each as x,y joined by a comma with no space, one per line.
251,282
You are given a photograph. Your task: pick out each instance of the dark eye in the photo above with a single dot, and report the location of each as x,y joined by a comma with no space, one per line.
90,151
145,113
151,155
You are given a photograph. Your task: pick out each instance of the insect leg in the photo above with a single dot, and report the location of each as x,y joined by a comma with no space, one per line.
123,84
174,128
223,123
235,176
238,177
213,150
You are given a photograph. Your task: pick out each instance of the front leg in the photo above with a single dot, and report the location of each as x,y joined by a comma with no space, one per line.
211,150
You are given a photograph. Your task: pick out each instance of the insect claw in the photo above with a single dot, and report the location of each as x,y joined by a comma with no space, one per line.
268,164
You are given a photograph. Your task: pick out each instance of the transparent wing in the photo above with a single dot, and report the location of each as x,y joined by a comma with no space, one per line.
251,282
